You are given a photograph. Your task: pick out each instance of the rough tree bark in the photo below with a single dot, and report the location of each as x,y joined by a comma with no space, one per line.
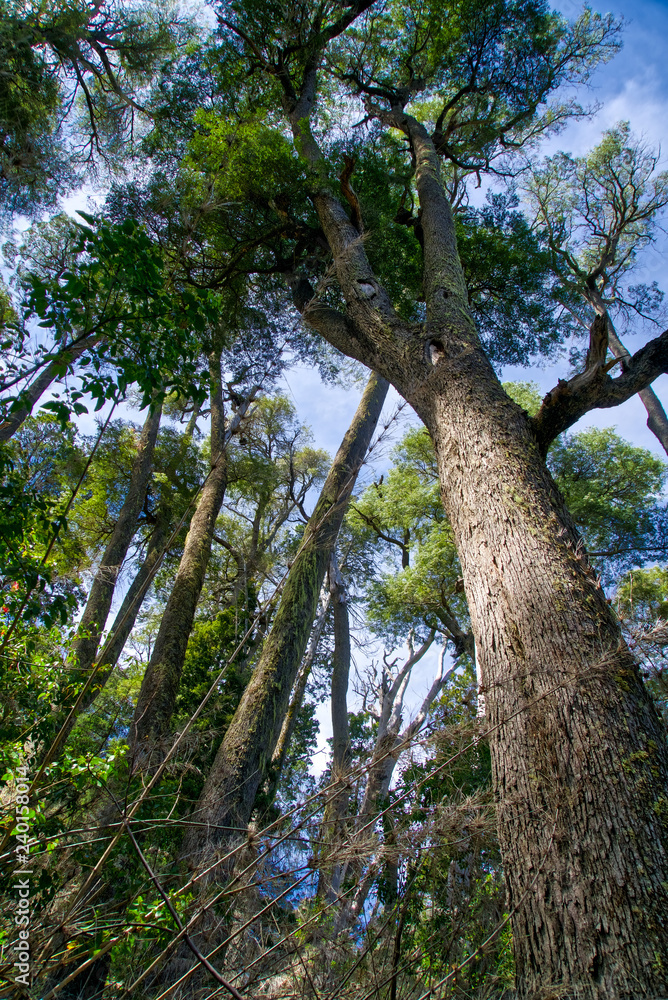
226,801
157,697
579,756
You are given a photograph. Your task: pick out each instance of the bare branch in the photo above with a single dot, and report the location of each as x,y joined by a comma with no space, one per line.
570,400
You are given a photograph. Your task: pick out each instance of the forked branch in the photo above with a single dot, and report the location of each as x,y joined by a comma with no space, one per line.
596,389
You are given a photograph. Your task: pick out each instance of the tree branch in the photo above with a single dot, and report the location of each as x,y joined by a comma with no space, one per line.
570,400
335,327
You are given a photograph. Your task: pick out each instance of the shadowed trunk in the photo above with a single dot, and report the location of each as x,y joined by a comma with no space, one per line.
298,692
157,697
248,746
340,669
30,396
335,810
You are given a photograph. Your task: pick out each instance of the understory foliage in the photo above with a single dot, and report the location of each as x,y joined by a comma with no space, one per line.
370,864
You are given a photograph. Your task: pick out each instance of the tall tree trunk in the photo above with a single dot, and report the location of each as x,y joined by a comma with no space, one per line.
136,592
134,597
335,810
90,984
102,591
296,700
157,697
340,668
30,396
247,748
128,611
579,756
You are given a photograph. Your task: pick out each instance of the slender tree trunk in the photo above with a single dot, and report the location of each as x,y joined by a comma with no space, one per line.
102,591
386,752
134,597
136,592
248,746
30,396
389,741
579,756
127,614
296,700
335,811
91,983
340,669
157,697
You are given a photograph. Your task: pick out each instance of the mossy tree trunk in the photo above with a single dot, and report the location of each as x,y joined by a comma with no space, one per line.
227,799
138,589
102,590
160,685
296,700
